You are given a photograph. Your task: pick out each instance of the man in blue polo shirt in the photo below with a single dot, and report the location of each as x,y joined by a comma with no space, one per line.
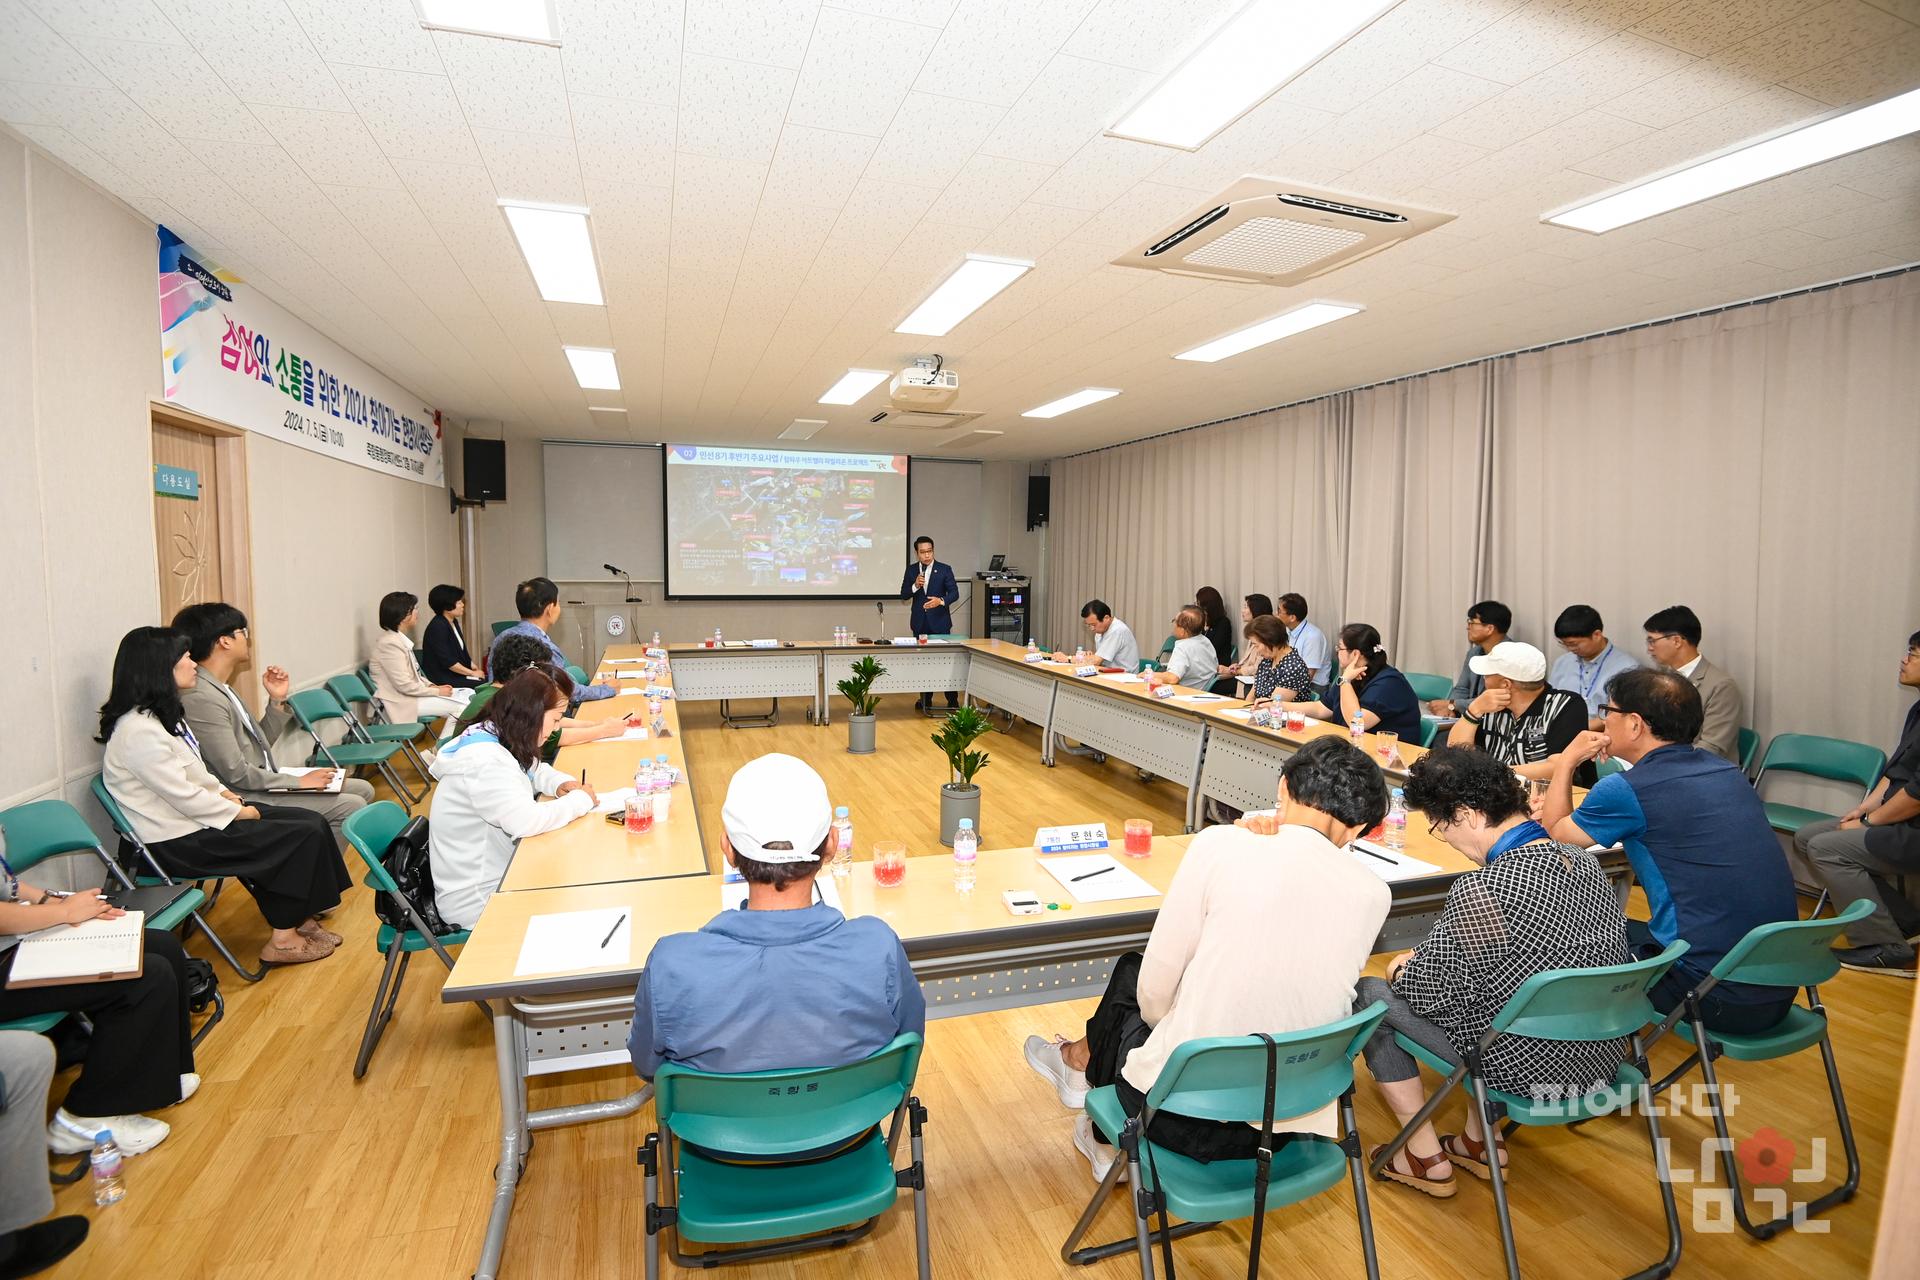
538,602
1697,837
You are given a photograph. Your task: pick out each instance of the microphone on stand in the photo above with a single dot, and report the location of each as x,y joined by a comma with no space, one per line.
622,573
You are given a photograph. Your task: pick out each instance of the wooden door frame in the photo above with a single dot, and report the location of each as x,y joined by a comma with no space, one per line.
234,530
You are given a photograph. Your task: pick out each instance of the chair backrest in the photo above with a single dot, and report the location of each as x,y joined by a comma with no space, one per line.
1224,1078
1429,730
1427,686
775,1113
365,673
1607,768
1790,953
42,829
1833,758
370,830
1749,743
498,627
350,690
578,673
311,706
115,814
1608,1003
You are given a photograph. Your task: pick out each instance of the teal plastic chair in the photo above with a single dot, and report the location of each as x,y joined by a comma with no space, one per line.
353,693
1748,745
156,874
498,627
1832,758
365,673
313,708
1429,730
1607,768
1792,953
1426,686
578,672
371,831
763,1116
1608,1003
1225,1078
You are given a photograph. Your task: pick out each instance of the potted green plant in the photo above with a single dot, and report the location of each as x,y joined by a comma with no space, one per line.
858,689
959,797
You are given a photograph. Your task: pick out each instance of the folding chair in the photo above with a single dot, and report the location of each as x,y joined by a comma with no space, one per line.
353,693
1792,953
1235,1078
1428,687
156,874
371,831
1608,1003
579,674
1748,745
1835,759
763,1116
314,707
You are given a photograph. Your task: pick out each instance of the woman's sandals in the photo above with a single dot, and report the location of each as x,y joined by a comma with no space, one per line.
1442,1188
1464,1150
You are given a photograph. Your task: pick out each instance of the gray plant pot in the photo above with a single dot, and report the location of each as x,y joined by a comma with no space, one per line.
956,803
860,738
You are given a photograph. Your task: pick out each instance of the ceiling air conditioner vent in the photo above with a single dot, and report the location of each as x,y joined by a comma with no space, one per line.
926,419
1263,231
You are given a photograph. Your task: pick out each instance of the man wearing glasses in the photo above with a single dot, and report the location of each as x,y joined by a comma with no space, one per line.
1673,641
1590,659
1866,851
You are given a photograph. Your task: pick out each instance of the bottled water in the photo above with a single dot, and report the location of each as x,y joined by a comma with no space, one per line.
662,789
966,852
1079,653
1033,646
1357,728
663,768
1395,835
842,842
109,1186
643,778
656,640
716,637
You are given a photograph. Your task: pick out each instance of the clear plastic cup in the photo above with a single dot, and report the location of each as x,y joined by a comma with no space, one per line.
1139,838
1386,748
640,814
889,862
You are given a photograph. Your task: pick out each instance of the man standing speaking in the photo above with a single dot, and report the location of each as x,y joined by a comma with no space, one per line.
931,587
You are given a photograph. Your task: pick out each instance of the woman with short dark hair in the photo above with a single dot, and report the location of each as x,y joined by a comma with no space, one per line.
443,646
404,691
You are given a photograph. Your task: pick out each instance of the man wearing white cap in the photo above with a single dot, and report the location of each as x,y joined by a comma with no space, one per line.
1517,719
786,981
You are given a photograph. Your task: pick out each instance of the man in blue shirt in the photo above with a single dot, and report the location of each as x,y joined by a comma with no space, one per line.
538,602
1590,660
785,981
932,588
1309,641
1696,834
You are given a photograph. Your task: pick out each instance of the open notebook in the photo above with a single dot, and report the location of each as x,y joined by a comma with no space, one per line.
93,951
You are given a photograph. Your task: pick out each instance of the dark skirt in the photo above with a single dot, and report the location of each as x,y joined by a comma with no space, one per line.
286,858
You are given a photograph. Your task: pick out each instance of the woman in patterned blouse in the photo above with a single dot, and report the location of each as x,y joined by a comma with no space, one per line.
1534,904
1280,674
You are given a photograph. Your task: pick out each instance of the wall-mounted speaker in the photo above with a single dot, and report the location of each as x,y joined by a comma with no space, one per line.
1037,492
484,465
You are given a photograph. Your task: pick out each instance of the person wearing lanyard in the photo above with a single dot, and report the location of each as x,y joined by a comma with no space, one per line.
140,1057
1590,659
1534,904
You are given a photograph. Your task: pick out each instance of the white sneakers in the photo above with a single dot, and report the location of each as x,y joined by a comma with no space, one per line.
1099,1155
71,1135
189,1085
1043,1056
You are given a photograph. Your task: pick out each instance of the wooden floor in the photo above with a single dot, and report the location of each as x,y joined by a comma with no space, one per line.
283,1166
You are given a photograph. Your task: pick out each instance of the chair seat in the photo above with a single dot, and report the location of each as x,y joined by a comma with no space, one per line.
405,732
739,1204
414,940
1801,1028
1222,1190
1791,817
1607,1100
39,1023
181,907
354,753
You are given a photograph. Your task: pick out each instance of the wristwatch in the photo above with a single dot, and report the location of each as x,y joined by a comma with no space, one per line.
1865,821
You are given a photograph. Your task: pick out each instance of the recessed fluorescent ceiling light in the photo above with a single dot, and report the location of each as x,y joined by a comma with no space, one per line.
605,408
1284,325
558,247
803,428
1256,51
512,19
1067,404
1836,135
593,368
854,384
969,288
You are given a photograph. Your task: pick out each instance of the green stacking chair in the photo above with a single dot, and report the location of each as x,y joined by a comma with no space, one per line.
1808,753
353,693
763,1116
156,874
1429,730
1607,768
365,673
1792,953
578,673
498,627
1234,1078
1427,686
371,831
1608,1003
313,708
1749,746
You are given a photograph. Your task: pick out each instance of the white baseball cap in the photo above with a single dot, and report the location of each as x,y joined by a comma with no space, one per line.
773,799
1512,659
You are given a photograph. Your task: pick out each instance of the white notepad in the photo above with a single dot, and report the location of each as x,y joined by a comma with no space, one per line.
634,733
1387,864
613,801
567,940
1113,883
331,789
623,662
93,949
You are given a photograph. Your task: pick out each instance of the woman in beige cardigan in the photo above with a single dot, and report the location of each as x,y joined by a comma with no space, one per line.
404,692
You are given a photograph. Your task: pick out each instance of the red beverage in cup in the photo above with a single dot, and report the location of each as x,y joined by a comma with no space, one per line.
640,815
1139,840
889,863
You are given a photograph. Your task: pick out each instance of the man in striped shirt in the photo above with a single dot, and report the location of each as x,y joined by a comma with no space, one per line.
1517,719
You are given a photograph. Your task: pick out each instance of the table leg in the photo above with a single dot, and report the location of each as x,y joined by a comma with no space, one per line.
1193,781
513,1139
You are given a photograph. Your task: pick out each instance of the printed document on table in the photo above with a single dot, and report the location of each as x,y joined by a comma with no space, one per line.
1112,883
623,662
634,733
567,940
613,801
1388,864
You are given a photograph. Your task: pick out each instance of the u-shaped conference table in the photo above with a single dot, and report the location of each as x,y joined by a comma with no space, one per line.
969,953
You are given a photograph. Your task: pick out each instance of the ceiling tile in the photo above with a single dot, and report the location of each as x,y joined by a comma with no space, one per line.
1245,146
732,110
259,50
882,213
623,144
449,192
1099,173
176,87
532,166
1737,121
858,70
626,49
1534,37
932,138
1071,99
1814,39
1705,27
108,20
992,49
817,166
932,13
507,84
1147,35
774,32
80,157
35,52
1587,79
368,33
332,146
411,116
1882,69
987,190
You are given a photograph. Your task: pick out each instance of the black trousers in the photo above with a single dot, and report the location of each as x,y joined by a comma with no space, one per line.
1116,1030
142,1040
1736,1017
286,858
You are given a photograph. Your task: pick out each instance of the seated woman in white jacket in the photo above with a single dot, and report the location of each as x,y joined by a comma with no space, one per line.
490,780
404,691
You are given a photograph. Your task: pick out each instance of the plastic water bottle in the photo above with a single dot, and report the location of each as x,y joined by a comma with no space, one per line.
662,790
1357,728
643,778
842,842
109,1186
656,640
1079,653
716,637
663,768
1395,835
966,852
1033,646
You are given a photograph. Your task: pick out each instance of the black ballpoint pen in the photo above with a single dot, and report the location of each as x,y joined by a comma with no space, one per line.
1090,875
616,928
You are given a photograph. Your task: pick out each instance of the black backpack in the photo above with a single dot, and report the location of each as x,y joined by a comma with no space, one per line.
407,862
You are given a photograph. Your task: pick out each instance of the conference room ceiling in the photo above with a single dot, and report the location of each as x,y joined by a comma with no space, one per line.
774,184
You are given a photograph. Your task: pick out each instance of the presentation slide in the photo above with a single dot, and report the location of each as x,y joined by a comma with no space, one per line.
752,522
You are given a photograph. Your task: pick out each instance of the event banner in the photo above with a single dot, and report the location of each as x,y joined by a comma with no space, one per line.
233,355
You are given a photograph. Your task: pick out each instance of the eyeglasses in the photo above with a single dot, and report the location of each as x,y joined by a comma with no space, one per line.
1662,635
1608,709
238,631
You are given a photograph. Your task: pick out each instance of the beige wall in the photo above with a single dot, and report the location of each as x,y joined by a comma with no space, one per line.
79,318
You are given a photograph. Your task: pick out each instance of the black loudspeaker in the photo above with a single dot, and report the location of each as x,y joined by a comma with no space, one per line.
485,466
1037,491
